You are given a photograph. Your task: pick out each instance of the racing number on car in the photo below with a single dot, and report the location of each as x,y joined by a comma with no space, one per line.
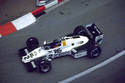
31,55
57,51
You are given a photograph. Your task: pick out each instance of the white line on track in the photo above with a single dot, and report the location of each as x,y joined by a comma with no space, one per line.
93,68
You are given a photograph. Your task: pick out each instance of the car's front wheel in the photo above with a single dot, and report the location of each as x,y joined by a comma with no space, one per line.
32,43
22,52
94,52
45,67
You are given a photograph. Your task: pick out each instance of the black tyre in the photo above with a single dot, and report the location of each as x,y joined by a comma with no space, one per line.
45,67
22,52
94,52
78,29
32,43
71,34
29,67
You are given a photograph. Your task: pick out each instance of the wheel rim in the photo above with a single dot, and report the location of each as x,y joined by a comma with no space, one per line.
45,68
95,52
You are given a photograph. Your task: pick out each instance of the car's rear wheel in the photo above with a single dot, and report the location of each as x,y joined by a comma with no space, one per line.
32,43
80,30
94,52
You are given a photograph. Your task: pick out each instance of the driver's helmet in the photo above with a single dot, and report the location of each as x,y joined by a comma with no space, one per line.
32,43
56,42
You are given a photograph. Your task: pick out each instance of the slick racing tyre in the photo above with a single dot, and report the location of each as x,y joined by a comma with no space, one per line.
32,43
45,67
94,52
22,52
29,67
80,30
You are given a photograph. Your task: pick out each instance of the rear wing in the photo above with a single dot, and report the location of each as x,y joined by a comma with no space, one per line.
95,33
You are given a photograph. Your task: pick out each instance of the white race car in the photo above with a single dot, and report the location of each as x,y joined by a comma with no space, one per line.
84,41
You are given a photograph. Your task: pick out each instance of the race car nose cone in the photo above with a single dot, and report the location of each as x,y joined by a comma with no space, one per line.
84,39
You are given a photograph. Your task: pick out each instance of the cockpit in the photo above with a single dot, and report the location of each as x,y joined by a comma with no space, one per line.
55,43
72,37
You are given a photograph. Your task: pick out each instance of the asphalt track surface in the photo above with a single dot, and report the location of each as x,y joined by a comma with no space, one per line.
12,9
107,14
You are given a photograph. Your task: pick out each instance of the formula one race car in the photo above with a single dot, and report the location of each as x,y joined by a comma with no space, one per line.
84,41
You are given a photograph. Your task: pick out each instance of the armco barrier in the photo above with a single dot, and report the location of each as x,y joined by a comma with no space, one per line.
25,20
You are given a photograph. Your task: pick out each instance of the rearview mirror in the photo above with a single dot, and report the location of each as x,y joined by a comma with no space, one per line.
44,42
